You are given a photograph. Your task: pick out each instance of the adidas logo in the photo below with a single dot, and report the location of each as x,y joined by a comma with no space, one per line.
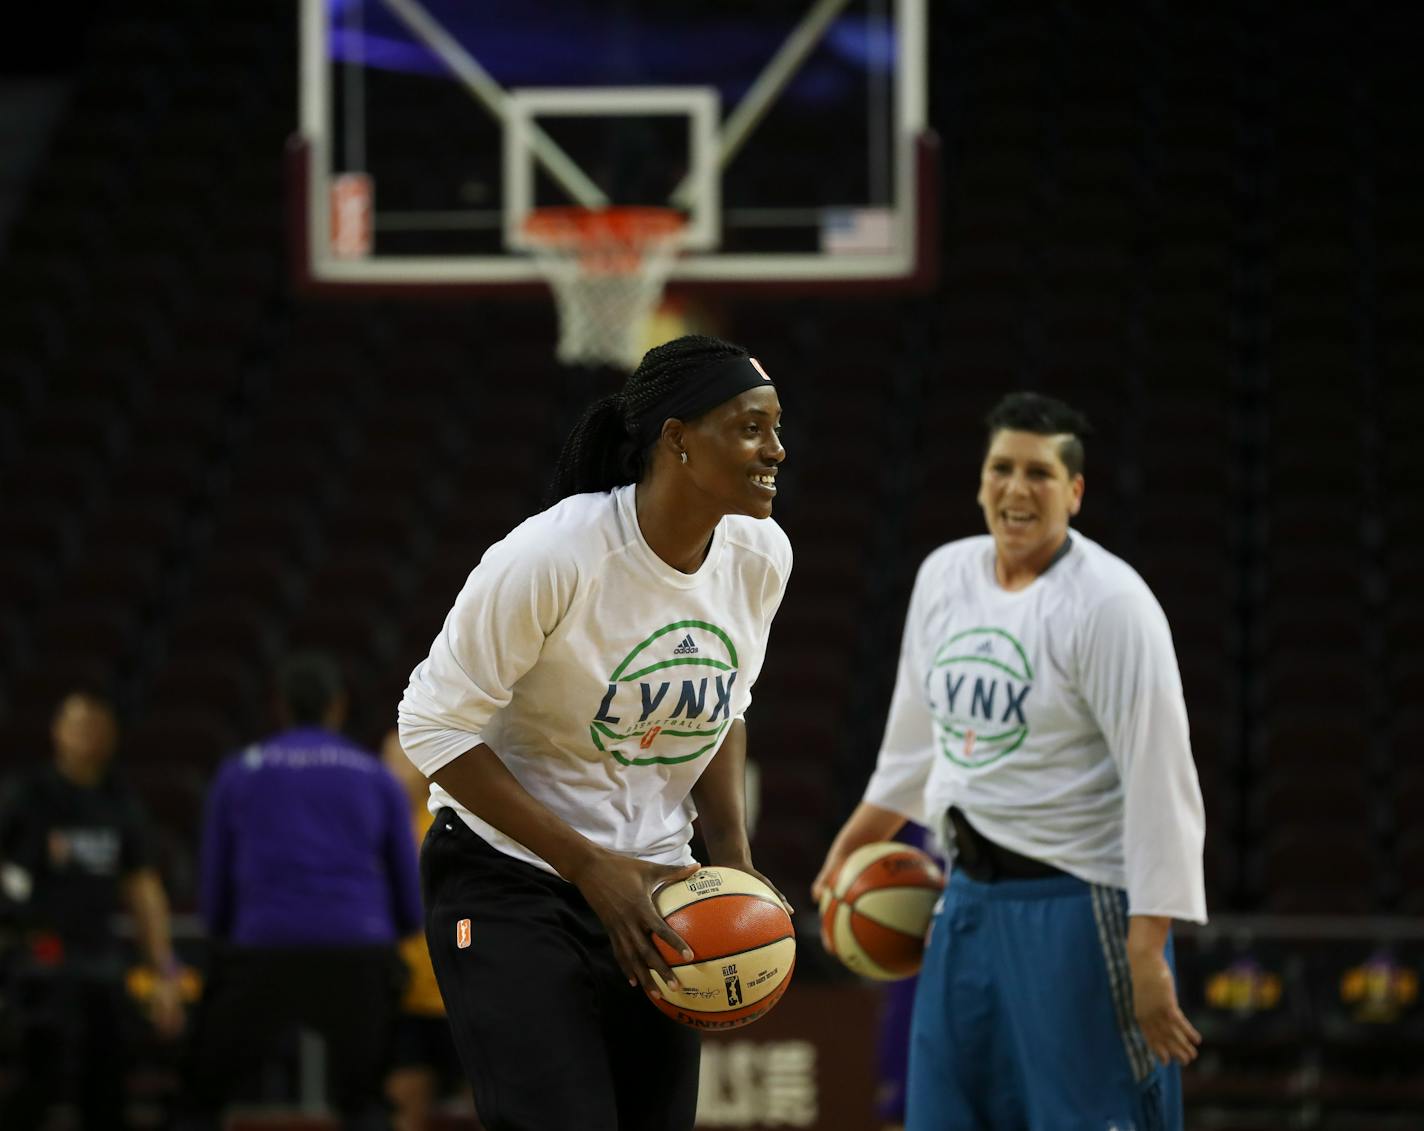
985,649
686,648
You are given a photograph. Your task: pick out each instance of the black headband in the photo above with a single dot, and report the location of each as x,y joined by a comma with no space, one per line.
705,388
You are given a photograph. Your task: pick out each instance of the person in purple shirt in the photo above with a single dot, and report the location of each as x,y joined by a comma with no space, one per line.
308,882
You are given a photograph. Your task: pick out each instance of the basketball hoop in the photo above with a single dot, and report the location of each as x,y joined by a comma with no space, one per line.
607,268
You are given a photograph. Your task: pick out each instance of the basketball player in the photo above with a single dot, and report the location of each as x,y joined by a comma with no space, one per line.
582,704
1037,723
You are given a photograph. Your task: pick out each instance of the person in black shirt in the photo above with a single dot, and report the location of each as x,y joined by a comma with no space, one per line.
74,849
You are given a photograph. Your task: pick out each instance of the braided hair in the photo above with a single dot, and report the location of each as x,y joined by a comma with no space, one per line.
600,453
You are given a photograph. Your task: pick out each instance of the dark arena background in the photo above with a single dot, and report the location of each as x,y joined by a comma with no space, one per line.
1202,224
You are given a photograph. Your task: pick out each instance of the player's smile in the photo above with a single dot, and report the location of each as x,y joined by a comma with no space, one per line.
735,451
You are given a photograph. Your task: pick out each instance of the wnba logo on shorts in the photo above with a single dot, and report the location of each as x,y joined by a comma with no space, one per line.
462,933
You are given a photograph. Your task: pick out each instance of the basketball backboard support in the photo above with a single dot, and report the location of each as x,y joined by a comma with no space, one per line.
791,133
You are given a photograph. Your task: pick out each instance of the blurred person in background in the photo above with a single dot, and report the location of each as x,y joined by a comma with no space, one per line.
75,848
1038,726
425,1065
308,881
892,1038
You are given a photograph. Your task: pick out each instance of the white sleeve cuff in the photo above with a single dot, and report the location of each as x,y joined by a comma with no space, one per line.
1180,913
430,748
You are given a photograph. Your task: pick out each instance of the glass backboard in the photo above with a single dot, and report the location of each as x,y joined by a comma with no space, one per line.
790,135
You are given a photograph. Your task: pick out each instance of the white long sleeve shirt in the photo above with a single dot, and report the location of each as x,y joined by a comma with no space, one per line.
1053,717
603,679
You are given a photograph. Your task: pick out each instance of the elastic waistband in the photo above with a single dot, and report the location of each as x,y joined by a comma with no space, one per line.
1061,886
981,859
472,843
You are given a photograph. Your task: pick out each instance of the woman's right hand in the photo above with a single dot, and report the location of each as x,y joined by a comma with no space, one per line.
620,891
867,824
826,877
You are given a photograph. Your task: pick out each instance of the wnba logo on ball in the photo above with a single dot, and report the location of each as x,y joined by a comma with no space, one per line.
978,685
670,699
733,984
702,883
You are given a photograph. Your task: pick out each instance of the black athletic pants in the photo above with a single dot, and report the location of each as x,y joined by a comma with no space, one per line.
256,996
71,1047
550,1033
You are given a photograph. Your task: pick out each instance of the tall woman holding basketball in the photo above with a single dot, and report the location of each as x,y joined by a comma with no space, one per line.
583,702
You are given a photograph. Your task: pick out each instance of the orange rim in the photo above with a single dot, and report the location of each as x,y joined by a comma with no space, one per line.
604,239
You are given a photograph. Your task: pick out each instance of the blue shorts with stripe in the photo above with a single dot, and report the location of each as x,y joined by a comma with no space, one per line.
1023,1016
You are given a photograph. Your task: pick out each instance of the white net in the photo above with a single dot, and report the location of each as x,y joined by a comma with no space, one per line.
607,269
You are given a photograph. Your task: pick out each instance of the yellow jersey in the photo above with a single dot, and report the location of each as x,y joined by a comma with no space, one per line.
422,992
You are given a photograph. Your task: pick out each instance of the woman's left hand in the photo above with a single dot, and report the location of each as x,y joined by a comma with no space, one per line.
1169,1034
745,865
166,1007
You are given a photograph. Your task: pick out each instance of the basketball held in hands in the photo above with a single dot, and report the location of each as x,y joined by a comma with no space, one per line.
876,911
743,949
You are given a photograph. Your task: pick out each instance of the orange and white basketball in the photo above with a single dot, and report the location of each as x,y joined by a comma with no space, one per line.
876,911
743,946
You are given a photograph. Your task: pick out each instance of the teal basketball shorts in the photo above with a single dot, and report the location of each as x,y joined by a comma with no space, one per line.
1023,1015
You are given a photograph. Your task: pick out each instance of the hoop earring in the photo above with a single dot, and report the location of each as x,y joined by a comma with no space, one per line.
682,456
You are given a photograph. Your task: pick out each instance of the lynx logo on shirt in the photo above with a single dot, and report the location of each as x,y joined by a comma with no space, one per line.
670,699
978,686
